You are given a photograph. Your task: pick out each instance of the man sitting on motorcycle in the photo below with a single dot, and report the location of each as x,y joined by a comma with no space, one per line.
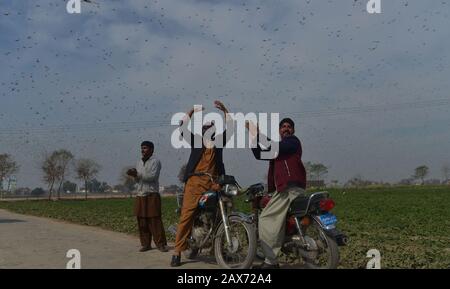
287,178
205,159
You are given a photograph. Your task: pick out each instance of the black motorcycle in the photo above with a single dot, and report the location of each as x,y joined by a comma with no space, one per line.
231,235
312,238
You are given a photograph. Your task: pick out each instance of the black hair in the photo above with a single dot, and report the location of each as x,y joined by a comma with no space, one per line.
288,120
148,144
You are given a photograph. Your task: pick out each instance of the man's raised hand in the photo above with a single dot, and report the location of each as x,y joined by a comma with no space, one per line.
252,128
219,105
195,109
198,108
132,172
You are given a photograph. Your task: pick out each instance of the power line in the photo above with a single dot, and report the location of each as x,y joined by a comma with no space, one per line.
93,127
161,123
374,108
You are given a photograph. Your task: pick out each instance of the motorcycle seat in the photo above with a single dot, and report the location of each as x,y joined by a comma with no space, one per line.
299,205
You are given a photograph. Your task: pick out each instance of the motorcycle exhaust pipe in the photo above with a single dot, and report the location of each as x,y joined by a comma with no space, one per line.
342,240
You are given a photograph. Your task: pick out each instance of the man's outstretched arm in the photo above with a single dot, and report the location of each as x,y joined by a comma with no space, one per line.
228,120
185,121
286,146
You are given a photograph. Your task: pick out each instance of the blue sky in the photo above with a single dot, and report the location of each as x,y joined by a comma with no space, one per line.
113,75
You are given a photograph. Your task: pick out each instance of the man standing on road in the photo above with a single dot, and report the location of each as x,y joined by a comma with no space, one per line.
147,206
287,178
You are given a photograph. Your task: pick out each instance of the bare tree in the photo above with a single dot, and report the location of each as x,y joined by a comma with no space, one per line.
420,173
63,160
318,170
8,167
314,171
49,168
126,181
86,170
55,167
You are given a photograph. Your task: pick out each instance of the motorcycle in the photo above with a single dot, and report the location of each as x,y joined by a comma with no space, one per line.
231,235
311,235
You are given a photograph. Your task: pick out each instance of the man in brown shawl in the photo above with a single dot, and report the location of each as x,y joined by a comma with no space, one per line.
204,159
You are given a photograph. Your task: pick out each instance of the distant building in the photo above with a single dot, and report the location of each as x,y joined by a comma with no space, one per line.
433,182
22,192
171,190
406,182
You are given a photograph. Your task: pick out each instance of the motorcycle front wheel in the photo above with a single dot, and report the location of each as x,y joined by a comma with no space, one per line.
241,252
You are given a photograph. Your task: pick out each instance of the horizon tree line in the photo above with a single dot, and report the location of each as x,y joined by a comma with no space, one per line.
58,166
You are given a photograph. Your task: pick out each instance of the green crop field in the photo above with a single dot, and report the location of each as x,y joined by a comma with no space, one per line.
410,226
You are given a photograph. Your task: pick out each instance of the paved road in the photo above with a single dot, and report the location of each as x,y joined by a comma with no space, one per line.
69,197
33,242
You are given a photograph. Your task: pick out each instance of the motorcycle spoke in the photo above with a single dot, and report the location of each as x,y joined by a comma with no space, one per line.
322,252
237,254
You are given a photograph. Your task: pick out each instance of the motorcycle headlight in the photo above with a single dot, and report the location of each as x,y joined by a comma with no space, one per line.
231,190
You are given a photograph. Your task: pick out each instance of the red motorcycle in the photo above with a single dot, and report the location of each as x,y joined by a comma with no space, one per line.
312,238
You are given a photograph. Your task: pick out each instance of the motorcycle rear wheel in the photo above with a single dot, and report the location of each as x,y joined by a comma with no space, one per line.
327,250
